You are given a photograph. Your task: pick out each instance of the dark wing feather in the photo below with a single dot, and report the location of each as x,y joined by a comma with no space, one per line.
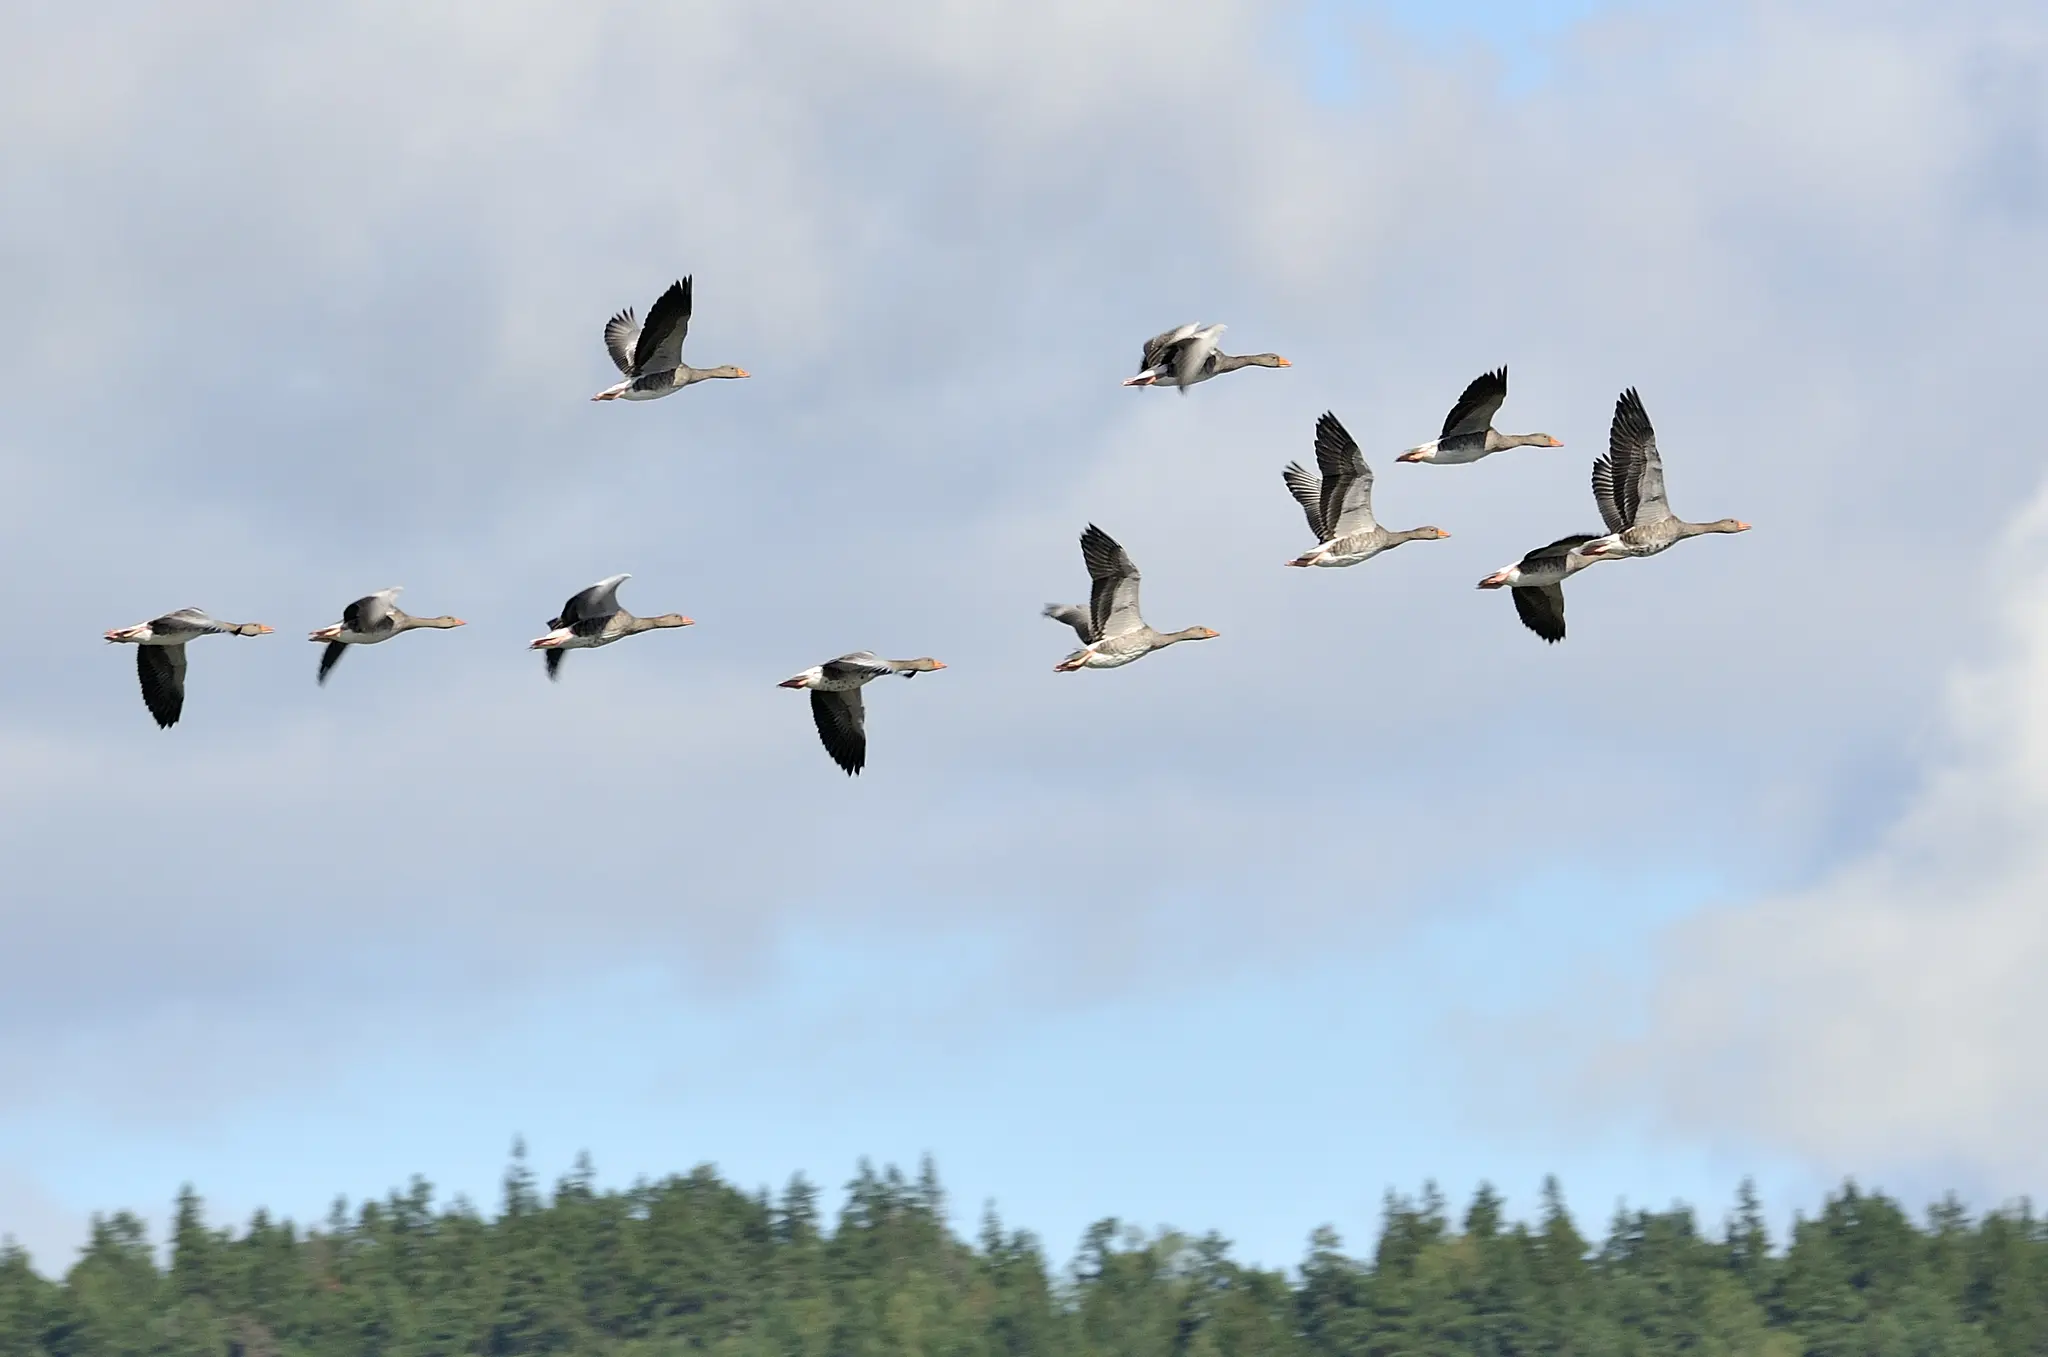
554,658
1160,345
1347,480
162,672
1113,593
1542,610
1604,496
330,657
842,727
1475,409
660,348
1631,446
621,336
1558,550
1308,493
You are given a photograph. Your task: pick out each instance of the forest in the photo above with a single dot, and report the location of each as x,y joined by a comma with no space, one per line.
694,1264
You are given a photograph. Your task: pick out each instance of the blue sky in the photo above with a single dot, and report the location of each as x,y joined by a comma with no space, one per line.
1375,888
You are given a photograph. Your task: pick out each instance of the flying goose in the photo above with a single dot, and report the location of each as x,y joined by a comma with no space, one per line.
836,707
1184,356
160,655
651,355
592,617
1114,633
1537,583
1339,505
368,620
1468,429
1628,485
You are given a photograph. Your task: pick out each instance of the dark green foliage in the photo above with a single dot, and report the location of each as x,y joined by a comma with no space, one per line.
692,1264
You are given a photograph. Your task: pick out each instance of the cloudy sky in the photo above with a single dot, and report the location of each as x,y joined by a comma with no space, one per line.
1742,878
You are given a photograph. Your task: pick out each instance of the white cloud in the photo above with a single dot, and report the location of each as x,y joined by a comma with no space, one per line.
1886,1018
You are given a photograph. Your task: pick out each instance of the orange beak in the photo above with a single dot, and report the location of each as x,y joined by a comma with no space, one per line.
1285,364
1557,442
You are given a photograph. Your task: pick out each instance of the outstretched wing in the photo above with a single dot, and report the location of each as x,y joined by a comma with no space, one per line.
1347,480
1194,353
330,657
161,670
1606,495
1113,601
1160,345
861,664
1475,409
1307,490
660,346
1541,608
1075,616
621,334
1638,468
370,613
554,658
594,604
841,720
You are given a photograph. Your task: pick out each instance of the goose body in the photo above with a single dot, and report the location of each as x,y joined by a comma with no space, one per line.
1115,634
1186,355
1628,486
1338,504
1536,583
836,706
160,655
1468,432
368,620
650,356
592,617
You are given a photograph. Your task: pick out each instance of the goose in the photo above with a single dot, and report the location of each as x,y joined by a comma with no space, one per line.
1628,485
592,617
160,655
1114,633
836,707
1181,357
368,620
1468,429
1339,504
1537,583
651,355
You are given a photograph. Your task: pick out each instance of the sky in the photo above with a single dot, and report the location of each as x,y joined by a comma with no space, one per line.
1741,879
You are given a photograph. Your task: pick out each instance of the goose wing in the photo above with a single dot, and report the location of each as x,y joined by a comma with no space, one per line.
1307,490
841,719
1075,616
1632,436
1628,483
161,670
1160,345
860,664
1113,601
330,657
1475,409
1541,608
594,604
1552,552
621,335
660,345
1347,480
554,659
1194,354
370,613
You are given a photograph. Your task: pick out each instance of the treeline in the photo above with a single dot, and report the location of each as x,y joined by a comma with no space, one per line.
693,1264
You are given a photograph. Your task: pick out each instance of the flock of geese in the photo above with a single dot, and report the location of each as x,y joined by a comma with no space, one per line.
1336,498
